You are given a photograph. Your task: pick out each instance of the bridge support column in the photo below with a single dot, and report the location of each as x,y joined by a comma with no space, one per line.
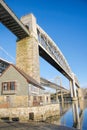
62,99
27,53
74,92
57,99
73,89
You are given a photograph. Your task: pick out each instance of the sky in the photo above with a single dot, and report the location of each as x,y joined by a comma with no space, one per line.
65,21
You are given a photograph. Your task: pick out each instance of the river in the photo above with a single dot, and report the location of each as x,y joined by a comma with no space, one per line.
72,114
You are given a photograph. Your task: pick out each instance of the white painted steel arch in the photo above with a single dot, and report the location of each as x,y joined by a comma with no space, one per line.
52,49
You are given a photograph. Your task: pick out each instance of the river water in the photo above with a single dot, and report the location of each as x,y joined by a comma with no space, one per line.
72,115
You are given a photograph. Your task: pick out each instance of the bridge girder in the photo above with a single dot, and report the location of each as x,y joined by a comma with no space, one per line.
9,19
47,83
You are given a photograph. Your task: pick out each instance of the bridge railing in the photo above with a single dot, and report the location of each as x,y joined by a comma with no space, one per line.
51,47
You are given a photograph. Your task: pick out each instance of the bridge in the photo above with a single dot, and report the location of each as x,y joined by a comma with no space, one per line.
47,83
32,42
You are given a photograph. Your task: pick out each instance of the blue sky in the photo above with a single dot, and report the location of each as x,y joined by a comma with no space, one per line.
65,21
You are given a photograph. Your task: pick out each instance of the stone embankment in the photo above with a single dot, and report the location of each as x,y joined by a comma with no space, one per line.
39,113
11,118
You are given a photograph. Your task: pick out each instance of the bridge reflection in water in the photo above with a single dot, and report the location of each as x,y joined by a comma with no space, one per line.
72,114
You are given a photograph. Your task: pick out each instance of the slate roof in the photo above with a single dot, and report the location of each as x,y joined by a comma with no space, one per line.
28,78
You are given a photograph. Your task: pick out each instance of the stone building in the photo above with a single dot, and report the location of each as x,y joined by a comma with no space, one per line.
17,89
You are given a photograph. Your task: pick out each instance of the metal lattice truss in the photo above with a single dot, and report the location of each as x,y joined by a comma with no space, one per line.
50,47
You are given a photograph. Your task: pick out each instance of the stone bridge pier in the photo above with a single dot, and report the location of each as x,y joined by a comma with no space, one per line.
27,53
73,89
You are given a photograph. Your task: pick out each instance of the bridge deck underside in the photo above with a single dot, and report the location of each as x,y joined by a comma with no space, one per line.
49,59
47,83
11,22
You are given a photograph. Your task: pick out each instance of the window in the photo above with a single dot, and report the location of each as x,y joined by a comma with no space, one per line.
34,89
7,86
12,85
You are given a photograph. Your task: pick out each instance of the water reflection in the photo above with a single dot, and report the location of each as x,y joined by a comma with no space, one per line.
72,114
77,108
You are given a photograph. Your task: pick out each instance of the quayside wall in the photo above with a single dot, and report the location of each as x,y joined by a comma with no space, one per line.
38,113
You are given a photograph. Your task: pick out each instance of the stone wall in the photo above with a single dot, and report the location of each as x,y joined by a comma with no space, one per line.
27,57
80,93
39,113
9,101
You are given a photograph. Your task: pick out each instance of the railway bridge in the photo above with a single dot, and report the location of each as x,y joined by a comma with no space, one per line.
33,41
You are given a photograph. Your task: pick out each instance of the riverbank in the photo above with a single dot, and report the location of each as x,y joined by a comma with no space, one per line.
31,126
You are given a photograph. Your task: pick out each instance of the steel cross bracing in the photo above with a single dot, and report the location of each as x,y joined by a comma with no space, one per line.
46,43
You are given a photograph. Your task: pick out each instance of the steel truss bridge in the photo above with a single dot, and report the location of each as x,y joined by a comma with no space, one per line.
47,47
